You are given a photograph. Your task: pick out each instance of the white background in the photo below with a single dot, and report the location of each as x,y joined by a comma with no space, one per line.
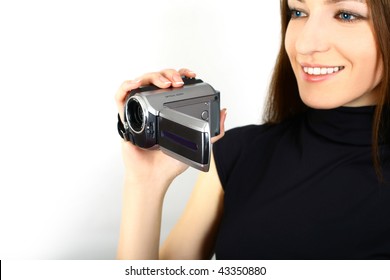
60,65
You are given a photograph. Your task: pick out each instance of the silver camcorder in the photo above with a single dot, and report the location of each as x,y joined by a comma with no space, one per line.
179,121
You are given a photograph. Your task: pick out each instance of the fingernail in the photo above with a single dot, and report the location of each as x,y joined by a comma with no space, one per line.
164,80
178,80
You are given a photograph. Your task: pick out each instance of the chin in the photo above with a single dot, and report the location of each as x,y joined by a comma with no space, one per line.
321,103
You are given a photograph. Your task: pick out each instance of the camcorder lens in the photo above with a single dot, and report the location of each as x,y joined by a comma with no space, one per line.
136,115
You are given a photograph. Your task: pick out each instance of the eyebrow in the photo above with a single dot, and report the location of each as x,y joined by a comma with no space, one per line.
336,1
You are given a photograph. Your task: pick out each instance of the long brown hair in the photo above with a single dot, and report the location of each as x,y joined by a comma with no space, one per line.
283,98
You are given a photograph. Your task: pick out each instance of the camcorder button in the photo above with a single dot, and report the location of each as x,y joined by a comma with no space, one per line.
150,129
205,115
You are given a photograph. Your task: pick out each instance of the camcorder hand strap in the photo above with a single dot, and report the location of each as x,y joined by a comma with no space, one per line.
121,128
123,132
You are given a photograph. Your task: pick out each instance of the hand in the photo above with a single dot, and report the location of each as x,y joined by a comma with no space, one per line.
148,165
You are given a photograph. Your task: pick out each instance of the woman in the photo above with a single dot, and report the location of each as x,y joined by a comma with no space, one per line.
311,183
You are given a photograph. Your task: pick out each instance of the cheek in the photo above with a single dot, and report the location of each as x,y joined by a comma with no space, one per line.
375,65
364,56
289,42
366,62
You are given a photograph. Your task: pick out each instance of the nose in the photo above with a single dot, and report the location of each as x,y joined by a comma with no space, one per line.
313,37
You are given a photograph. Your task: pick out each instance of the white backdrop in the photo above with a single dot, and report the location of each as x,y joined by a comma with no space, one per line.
60,65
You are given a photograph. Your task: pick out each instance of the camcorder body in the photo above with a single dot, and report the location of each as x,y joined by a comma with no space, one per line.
179,121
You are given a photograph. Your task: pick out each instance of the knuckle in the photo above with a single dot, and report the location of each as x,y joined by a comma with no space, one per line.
154,77
169,71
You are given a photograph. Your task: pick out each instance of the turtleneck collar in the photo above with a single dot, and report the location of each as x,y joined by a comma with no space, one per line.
346,125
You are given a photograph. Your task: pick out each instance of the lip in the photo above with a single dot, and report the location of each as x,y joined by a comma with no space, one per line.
317,78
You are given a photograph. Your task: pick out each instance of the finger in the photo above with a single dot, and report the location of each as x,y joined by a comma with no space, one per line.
155,78
186,72
167,77
173,76
223,114
122,92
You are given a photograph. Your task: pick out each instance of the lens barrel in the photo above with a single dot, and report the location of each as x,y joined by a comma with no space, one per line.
136,116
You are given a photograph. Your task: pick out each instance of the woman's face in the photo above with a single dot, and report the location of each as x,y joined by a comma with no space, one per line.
333,52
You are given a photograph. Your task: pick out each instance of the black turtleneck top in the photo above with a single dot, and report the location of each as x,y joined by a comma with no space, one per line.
304,189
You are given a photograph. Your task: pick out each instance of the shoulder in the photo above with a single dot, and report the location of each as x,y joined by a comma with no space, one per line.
235,138
246,132
245,136
234,149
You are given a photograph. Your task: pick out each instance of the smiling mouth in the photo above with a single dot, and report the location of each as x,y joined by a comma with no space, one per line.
317,71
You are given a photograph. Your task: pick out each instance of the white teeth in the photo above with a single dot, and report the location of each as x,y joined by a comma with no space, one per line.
322,71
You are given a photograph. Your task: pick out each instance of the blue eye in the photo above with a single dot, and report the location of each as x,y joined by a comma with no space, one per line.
347,17
296,13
